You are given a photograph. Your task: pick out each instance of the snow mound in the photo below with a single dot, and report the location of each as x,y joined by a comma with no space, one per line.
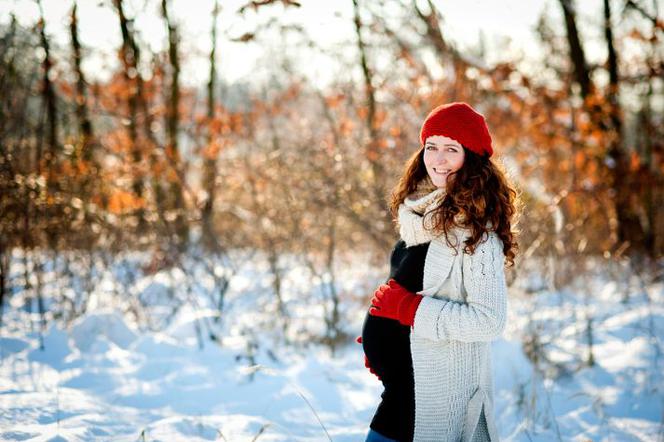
158,293
107,324
157,345
56,351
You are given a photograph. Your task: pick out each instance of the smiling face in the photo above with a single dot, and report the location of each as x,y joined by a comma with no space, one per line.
442,156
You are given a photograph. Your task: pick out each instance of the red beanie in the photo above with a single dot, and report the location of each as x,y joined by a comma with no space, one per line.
460,122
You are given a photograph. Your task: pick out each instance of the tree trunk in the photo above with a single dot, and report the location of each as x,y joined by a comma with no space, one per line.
333,321
48,162
577,55
130,56
48,93
628,228
210,161
172,129
373,151
626,183
84,123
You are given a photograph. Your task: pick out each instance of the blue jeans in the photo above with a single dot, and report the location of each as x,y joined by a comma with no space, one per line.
375,436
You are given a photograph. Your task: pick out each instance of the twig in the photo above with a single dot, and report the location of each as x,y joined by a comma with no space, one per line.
260,431
254,368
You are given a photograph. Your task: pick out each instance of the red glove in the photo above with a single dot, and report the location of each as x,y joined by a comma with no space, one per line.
366,360
393,301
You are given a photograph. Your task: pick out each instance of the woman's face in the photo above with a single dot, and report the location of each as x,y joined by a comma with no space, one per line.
442,156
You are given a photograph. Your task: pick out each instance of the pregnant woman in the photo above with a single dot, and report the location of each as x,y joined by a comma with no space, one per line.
428,333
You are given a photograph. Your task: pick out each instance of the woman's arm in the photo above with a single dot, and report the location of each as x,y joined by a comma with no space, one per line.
482,317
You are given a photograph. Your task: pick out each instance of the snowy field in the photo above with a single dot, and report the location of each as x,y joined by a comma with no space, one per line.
103,378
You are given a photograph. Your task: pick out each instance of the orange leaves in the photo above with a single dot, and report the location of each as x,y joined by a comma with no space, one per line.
333,101
379,118
216,126
211,151
66,88
372,155
236,122
121,201
561,115
158,167
579,159
171,175
75,168
291,92
346,126
407,56
593,172
501,73
516,103
223,123
596,136
636,34
382,143
118,140
395,131
117,89
634,162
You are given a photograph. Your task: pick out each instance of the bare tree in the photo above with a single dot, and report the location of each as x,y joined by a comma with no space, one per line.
210,160
576,52
373,154
49,99
130,55
172,129
629,231
82,113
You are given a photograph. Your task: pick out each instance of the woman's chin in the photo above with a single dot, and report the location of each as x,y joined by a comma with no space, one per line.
440,183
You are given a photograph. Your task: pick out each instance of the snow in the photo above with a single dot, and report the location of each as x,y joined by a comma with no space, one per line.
102,378
88,330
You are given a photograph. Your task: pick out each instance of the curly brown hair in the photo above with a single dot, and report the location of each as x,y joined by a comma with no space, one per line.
479,198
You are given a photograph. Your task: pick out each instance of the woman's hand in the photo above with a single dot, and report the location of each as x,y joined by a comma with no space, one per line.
366,360
393,301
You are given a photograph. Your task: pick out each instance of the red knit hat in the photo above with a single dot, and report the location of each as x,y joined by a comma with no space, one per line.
460,122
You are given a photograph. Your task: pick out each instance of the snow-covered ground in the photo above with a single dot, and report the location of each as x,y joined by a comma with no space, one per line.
104,379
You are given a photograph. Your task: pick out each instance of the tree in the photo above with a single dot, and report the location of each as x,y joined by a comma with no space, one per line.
172,129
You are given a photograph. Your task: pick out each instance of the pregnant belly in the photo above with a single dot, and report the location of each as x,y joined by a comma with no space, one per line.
387,345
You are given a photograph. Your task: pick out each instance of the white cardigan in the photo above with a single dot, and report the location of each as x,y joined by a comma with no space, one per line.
463,310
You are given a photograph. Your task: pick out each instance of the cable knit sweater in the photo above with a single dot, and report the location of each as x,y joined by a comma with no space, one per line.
463,310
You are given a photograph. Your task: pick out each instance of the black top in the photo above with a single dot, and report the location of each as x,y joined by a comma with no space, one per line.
387,345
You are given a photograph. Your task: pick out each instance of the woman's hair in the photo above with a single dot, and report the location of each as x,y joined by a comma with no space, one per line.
478,193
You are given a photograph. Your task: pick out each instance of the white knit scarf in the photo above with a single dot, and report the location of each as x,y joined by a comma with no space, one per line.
415,220
424,199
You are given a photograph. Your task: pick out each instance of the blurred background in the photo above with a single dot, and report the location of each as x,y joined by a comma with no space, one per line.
227,165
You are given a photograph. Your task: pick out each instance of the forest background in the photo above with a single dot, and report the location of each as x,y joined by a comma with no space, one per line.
145,137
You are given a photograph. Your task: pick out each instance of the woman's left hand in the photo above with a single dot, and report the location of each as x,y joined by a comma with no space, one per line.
393,301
